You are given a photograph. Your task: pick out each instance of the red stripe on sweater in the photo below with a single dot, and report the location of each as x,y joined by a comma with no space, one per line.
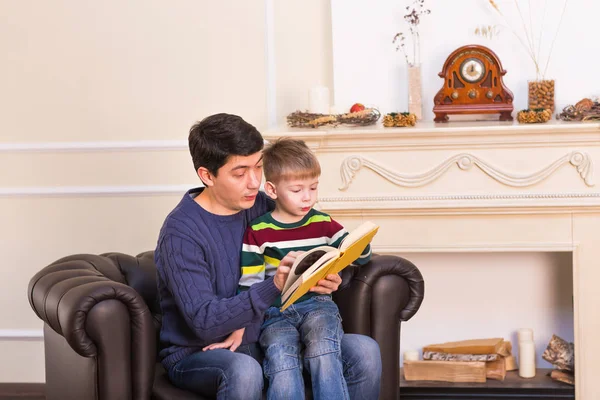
312,230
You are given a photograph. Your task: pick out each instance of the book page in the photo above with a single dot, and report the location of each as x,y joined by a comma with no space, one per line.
304,261
314,272
362,230
354,246
307,281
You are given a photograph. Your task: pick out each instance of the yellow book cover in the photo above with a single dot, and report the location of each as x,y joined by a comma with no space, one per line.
315,264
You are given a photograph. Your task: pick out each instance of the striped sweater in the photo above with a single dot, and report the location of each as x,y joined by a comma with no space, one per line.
267,241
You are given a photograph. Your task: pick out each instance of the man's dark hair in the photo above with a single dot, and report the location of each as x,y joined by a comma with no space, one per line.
217,137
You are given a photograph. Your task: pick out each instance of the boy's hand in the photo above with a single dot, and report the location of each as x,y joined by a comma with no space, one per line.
284,269
330,284
232,342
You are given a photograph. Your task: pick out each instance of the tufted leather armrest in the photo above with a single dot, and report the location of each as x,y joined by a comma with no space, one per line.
83,298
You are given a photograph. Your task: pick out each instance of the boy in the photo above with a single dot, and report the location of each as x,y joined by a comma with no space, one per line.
312,323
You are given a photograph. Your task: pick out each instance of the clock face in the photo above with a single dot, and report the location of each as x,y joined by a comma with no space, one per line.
472,70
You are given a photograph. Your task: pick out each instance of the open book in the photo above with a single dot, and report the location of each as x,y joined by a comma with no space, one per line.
315,264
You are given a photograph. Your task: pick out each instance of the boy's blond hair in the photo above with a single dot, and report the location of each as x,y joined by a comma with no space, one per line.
288,158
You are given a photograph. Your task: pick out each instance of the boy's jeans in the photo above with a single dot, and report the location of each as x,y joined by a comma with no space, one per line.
315,327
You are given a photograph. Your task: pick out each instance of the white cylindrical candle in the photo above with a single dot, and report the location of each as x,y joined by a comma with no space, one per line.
526,359
318,100
411,355
525,335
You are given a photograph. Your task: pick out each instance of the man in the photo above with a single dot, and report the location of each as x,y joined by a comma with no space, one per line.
198,262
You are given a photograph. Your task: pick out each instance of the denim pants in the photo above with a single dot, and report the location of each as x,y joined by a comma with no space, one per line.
221,373
227,375
306,335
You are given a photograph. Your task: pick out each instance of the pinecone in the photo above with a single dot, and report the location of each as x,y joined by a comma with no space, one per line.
399,120
405,119
388,121
534,116
584,105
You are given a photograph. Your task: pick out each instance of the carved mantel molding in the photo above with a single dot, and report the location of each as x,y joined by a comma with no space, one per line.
465,161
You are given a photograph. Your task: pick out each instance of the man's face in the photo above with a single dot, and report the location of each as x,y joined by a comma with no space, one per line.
237,182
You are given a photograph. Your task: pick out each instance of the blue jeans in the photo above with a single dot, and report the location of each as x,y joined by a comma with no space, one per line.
230,376
307,334
221,373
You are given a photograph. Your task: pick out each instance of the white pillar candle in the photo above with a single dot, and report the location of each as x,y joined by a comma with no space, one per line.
411,355
318,100
525,335
526,359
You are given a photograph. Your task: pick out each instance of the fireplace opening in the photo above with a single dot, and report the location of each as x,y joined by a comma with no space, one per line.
482,295
487,295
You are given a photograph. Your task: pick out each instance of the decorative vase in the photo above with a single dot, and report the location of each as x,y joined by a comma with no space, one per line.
415,98
541,95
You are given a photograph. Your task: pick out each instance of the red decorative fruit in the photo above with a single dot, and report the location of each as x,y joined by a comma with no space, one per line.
356,108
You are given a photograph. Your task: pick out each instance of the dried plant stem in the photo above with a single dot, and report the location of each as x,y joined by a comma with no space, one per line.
509,26
300,119
405,56
531,25
531,55
415,36
414,49
418,59
529,37
555,36
542,30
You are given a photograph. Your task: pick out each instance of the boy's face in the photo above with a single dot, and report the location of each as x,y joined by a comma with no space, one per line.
237,182
294,197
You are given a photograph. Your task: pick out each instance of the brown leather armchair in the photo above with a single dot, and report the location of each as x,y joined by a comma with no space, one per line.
101,321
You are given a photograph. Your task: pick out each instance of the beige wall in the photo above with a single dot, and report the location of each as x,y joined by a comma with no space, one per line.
88,71
303,53
114,70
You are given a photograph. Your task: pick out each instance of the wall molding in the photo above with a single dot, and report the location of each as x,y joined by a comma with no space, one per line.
21,334
483,204
124,190
522,196
134,145
478,248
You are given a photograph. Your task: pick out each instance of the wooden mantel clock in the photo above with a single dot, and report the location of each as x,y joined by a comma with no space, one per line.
473,85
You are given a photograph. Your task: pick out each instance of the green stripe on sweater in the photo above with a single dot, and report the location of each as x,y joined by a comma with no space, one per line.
314,218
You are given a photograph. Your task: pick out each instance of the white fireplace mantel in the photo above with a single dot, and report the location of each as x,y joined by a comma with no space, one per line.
475,187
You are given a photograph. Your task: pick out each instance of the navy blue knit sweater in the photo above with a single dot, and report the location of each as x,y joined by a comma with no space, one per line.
198,264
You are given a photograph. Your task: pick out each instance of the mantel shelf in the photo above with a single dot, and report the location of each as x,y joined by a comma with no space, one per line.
444,128
464,129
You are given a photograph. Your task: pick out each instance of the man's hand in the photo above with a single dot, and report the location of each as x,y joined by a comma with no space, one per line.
330,284
283,270
232,342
